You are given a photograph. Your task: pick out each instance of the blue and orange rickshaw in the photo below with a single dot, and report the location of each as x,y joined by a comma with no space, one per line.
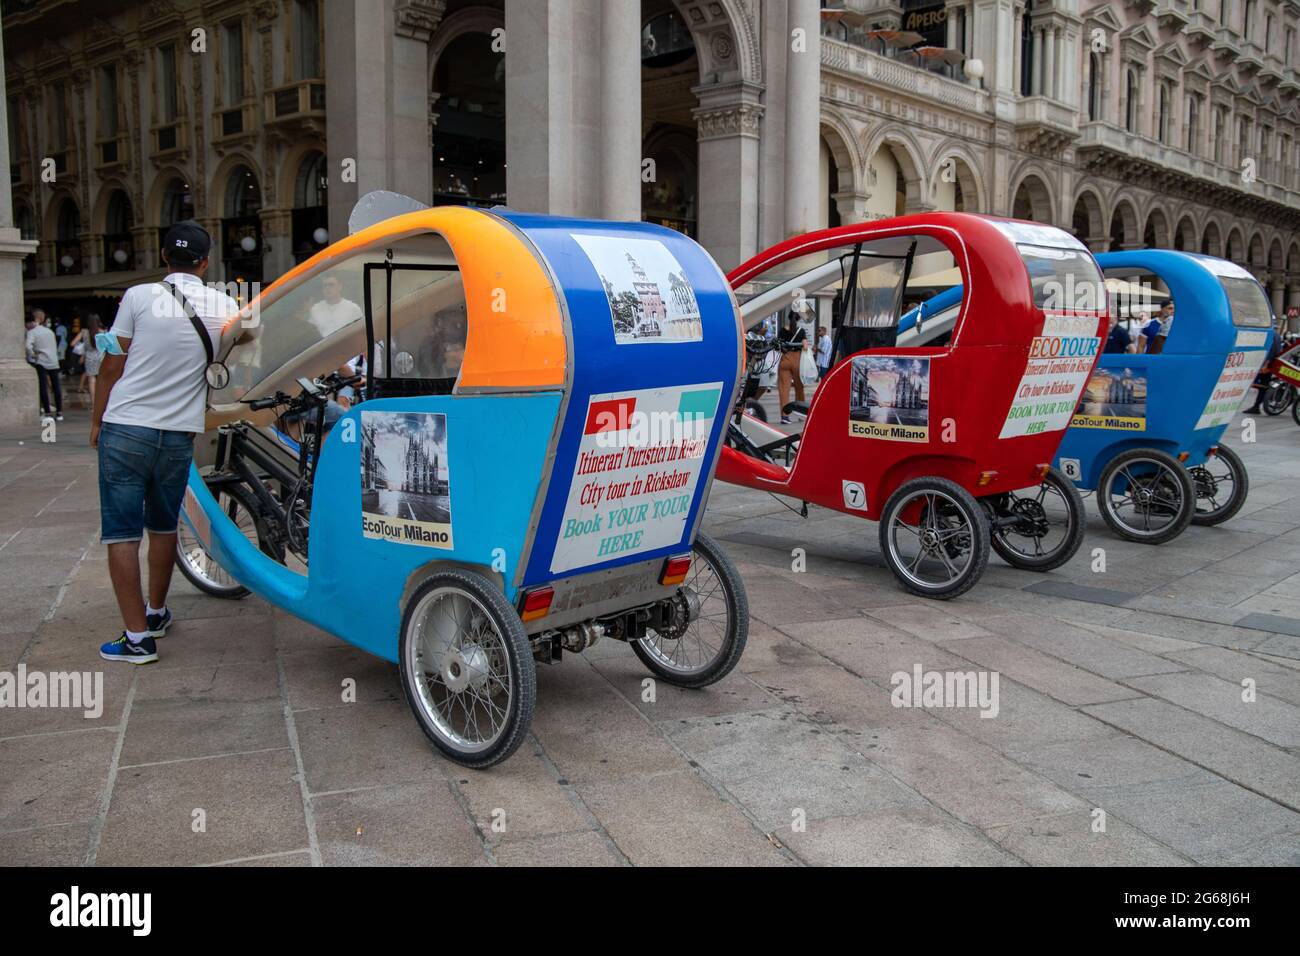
522,471
1147,433
936,442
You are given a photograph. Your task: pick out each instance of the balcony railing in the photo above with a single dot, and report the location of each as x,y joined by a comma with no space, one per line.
235,122
111,151
872,67
306,98
1273,179
170,138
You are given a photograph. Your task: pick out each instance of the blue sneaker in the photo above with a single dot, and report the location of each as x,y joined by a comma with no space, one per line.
146,652
157,623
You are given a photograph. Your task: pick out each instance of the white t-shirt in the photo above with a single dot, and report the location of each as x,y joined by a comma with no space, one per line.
328,318
163,385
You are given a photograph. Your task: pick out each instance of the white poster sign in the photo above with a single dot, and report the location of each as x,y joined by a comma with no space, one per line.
637,472
1060,361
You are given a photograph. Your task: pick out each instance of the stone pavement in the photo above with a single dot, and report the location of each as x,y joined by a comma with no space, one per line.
1120,692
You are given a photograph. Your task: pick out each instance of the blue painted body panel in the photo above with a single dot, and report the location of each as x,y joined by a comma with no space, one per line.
496,447
601,365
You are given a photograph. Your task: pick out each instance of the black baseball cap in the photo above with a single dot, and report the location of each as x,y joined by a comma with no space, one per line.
186,243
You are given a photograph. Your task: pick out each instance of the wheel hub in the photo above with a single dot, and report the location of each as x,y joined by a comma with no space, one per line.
1032,517
930,540
465,666
685,606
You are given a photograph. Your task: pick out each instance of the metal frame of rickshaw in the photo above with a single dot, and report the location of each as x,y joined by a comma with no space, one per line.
510,415
1167,444
974,466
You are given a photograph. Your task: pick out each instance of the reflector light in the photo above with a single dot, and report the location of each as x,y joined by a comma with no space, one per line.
1184,455
986,477
537,603
675,569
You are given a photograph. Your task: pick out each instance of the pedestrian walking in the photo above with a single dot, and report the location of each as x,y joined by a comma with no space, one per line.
150,404
824,347
790,339
43,355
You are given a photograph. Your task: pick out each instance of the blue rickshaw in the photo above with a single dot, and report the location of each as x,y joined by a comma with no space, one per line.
1146,434
468,441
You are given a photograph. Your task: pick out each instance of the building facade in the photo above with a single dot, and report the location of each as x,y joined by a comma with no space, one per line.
1170,123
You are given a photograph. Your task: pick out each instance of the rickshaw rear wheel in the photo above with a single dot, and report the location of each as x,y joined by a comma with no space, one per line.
1277,398
1163,488
1036,520
467,669
1209,483
712,638
950,538
1295,410
198,567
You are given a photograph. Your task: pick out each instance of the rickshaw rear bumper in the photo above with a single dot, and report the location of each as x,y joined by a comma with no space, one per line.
602,594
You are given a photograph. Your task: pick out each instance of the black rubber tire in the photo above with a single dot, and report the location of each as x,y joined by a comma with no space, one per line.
1240,489
244,499
1175,471
754,407
1295,410
974,516
1069,545
523,697
1277,398
737,632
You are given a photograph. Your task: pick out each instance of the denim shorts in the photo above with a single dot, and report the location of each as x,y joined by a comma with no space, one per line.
142,478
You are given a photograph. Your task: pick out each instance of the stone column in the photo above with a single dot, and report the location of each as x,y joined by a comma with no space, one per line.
1036,84
802,117
1049,64
852,206
18,404
620,109
553,139
277,243
729,118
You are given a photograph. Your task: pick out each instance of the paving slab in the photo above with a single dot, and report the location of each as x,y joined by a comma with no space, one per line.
1238,757
896,836
1273,720
414,824
251,804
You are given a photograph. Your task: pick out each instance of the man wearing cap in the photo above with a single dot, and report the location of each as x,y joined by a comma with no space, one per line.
149,405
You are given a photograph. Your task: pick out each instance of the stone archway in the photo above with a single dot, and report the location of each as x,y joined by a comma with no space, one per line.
1123,227
955,174
893,180
1235,249
1185,235
1212,240
1086,221
846,201
1032,199
1155,235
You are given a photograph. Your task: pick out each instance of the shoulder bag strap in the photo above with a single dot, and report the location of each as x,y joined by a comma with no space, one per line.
195,321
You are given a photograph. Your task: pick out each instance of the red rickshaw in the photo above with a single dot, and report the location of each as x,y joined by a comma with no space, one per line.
949,446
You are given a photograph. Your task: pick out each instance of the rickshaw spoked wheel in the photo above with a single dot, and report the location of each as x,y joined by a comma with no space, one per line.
1221,487
467,669
712,625
935,537
1145,495
1295,410
1277,398
1049,527
198,567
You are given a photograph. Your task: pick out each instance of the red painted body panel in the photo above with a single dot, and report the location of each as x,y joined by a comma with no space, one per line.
972,381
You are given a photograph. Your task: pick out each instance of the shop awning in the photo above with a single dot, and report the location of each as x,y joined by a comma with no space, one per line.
105,285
